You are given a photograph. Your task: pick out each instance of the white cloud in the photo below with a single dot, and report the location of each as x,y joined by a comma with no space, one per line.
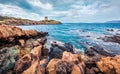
38,3
15,11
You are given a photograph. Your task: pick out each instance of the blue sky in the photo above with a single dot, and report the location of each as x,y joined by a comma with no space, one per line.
67,11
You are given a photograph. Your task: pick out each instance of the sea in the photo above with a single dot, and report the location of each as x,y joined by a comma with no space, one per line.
78,34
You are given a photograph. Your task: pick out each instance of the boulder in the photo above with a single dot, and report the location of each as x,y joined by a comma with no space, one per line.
34,69
69,57
63,67
109,65
51,69
28,60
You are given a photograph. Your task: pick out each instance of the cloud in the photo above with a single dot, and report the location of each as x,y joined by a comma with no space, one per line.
38,3
15,11
63,10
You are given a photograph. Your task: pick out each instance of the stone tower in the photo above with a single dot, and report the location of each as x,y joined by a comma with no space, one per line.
46,18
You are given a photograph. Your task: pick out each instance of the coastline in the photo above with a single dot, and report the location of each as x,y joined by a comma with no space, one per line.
20,22
27,53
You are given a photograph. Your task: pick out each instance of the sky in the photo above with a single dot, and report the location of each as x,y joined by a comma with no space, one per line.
66,11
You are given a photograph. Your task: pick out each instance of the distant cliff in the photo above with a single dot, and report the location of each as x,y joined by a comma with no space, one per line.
114,21
19,21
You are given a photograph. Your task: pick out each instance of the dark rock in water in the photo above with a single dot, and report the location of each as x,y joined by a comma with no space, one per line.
115,38
110,30
64,46
57,48
8,57
96,50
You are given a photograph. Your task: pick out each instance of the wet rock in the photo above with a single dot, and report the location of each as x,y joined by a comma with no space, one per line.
57,48
63,46
109,65
115,38
8,57
110,30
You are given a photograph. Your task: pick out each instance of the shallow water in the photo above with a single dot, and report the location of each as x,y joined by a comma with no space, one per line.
78,33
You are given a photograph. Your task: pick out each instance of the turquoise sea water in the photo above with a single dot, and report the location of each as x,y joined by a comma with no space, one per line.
78,33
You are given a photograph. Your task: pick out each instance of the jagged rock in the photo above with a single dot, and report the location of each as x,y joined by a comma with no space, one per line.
69,57
115,38
24,51
51,69
23,63
57,48
76,70
8,57
35,68
109,65
63,67
22,42
26,61
11,33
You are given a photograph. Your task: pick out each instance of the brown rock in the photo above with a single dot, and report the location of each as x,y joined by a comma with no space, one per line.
63,67
22,42
34,69
36,52
69,57
109,65
22,64
76,70
51,66
30,60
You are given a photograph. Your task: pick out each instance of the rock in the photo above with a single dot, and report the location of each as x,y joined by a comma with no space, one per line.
115,39
28,60
22,42
24,51
36,43
45,52
8,57
109,65
34,69
63,67
51,69
13,35
23,64
29,43
57,48
42,40
36,52
76,70
69,57
63,46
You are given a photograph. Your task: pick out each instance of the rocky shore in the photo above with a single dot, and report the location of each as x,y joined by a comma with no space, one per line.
26,52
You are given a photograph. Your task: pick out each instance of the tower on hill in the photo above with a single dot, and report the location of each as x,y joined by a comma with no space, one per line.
46,18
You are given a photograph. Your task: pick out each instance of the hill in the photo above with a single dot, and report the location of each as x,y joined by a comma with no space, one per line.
19,21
